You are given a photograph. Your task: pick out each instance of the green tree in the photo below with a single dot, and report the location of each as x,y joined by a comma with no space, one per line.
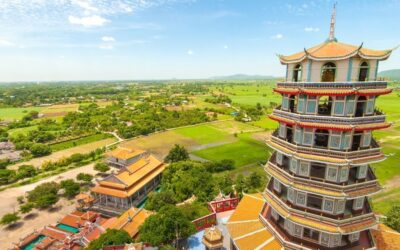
156,201
165,226
71,188
9,219
7,176
254,181
44,195
39,149
393,218
187,178
177,153
25,171
84,177
101,167
112,237
26,208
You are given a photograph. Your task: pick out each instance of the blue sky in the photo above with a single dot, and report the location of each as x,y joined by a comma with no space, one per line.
45,40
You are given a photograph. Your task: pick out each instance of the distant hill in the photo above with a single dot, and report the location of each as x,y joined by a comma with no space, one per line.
392,74
243,77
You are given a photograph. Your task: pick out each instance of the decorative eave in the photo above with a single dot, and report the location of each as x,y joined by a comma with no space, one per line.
332,92
335,127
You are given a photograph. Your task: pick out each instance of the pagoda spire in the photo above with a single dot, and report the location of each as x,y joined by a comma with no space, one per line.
332,28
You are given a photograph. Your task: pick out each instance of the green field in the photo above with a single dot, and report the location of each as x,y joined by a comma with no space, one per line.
80,141
246,150
203,134
9,114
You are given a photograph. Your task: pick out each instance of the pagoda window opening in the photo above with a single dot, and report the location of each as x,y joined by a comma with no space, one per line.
292,103
328,72
285,162
324,105
314,201
364,72
356,144
310,234
311,105
370,106
360,107
321,138
289,133
301,103
317,170
297,73
339,105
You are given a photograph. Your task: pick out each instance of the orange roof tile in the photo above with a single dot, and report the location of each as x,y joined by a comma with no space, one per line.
335,50
131,220
124,153
131,179
386,238
245,228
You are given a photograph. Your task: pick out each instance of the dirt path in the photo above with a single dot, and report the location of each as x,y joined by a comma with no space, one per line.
83,149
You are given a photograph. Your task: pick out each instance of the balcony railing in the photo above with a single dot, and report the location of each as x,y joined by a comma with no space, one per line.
372,150
291,242
324,117
343,218
377,117
335,85
353,184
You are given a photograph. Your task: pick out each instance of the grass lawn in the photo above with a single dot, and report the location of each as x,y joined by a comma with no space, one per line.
23,131
10,114
77,142
203,134
245,151
384,201
265,123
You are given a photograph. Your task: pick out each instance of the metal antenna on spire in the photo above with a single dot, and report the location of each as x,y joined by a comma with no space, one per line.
333,20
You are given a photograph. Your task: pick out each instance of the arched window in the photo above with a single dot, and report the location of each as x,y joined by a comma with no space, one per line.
328,72
364,71
297,73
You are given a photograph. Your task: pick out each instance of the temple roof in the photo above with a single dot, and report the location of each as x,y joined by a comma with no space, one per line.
131,178
245,227
124,153
386,238
131,220
334,50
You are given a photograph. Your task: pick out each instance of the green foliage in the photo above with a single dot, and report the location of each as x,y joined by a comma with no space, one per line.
225,184
4,163
186,178
26,208
9,219
218,99
44,195
220,166
393,218
155,201
39,149
71,187
84,177
194,210
177,153
7,176
164,226
101,167
112,237
25,171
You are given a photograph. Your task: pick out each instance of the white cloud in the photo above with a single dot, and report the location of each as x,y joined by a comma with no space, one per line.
6,43
106,46
190,52
311,29
225,46
84,4
277,36
108,39
88,21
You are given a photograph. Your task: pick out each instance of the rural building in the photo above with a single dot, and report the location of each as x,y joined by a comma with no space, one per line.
131,220
123,157
129,187
317,197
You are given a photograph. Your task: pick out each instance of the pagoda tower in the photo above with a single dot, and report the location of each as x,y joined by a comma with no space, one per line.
317,197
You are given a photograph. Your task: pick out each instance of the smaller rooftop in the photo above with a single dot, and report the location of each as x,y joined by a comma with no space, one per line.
212,238
131,220
124,153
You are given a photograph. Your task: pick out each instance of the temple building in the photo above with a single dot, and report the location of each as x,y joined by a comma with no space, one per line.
123,156
129,187
317,196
